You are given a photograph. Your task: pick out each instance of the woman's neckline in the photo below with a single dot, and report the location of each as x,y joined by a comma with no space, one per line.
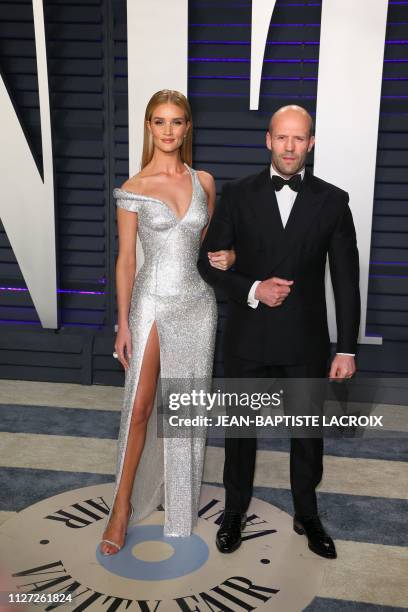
160,201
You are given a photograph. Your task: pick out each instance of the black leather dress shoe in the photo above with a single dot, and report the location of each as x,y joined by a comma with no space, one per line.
319,542
229,534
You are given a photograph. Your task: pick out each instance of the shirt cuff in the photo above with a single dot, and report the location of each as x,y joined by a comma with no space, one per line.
349,354
252,301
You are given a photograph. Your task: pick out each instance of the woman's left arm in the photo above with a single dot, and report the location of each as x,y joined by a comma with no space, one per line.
225,259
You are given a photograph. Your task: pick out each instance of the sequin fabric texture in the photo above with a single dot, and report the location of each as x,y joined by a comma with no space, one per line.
168,290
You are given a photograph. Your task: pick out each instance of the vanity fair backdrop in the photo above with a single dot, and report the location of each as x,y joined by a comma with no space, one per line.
83,153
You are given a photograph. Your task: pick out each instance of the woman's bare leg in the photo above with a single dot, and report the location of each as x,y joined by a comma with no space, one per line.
142,408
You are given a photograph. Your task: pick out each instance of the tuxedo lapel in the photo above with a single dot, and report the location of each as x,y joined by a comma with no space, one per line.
305,208
280,241
266,211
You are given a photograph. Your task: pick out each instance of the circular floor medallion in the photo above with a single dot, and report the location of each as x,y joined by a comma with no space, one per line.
52,547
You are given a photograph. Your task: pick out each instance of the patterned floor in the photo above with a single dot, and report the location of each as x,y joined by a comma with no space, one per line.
362,499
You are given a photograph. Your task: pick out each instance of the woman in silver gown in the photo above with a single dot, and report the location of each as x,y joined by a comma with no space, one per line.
167,319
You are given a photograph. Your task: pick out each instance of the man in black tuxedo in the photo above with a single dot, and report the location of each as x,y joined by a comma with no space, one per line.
282,223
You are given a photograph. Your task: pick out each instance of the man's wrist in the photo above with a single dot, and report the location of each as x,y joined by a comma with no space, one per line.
252,301
347,354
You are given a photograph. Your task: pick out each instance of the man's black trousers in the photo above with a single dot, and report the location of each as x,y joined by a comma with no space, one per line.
306,453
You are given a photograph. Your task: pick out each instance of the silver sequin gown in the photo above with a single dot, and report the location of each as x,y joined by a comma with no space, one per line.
168,290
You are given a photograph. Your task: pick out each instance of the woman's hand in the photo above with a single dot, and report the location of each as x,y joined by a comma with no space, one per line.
123,346
223,260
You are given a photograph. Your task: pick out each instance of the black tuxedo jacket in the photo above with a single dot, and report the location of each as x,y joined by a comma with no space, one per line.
320,224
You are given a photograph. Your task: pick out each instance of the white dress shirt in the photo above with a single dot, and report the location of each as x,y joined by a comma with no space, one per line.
286,198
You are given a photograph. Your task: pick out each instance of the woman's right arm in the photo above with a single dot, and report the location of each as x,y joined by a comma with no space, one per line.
125,276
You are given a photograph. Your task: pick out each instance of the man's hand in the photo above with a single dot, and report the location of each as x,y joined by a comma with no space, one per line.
273,291
343,366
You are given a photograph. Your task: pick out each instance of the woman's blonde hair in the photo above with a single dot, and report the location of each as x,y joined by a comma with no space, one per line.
168,96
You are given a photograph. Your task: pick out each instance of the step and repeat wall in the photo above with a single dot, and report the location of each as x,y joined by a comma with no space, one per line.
64,171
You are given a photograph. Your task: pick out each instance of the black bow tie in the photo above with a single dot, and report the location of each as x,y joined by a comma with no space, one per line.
294,182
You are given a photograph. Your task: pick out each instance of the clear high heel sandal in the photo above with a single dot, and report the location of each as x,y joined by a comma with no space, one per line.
108,554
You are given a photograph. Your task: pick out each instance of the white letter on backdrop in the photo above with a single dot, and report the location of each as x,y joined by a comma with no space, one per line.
347,116
27,204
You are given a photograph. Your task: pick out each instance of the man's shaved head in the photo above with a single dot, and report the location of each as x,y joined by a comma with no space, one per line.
289,139
292,110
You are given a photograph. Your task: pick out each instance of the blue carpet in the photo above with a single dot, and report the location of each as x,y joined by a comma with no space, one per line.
59,421
25,486
105,424
347,517
322,604
391,448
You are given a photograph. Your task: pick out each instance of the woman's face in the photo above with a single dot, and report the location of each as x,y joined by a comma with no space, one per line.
168,127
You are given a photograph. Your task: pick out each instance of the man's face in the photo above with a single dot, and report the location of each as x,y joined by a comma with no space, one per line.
289,141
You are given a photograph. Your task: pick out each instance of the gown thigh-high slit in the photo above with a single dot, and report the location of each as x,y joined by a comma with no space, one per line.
169,292
142,405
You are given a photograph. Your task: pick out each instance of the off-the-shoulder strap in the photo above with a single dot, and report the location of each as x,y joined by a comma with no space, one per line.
127,200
